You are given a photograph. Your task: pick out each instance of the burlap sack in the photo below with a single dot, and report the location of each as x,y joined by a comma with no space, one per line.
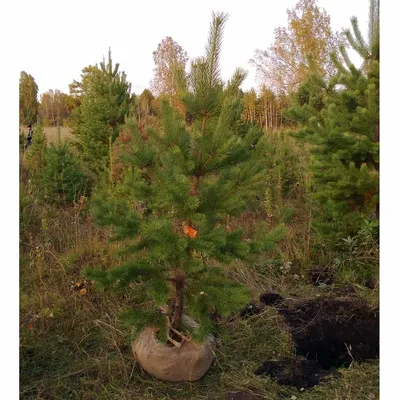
186,363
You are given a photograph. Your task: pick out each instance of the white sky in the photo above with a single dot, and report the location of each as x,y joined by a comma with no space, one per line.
60,38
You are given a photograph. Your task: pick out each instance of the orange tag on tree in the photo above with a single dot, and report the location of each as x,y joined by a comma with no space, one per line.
188,230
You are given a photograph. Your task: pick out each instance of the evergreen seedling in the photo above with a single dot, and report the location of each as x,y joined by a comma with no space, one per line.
62,176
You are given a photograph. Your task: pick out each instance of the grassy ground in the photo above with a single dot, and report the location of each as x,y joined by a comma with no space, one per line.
73,347
52,133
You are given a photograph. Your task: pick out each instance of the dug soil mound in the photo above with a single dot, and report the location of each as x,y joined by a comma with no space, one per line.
270,299
333,331
302,374
330,332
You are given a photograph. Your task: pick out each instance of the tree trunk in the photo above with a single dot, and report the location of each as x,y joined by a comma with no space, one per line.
194,185
111,159
178,311
271,116
376,137
376,132
266,115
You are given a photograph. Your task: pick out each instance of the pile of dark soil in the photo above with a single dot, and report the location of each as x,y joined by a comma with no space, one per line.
330,333
334,331
271,299
302,374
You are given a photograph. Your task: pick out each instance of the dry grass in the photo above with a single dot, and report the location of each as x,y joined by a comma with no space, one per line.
73,347
52,133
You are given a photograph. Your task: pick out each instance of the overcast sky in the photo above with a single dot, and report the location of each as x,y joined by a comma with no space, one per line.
60,38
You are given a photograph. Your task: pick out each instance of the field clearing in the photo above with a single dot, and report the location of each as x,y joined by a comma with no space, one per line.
52,133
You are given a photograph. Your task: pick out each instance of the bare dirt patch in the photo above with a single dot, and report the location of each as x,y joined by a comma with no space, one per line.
329,333
334,331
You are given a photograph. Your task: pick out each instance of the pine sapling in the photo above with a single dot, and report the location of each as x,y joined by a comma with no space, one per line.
182,181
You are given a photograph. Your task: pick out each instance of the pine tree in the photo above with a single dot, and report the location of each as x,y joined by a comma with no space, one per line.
104,104
62,178
341,121
182,182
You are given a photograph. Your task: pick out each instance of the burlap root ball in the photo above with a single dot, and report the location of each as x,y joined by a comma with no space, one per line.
189,362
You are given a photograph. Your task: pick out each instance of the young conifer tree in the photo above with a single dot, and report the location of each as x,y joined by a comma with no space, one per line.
62,179
340,118
104,105
184,180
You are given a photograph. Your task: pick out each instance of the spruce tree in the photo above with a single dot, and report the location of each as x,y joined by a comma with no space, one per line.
340,118
183,180
104,104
